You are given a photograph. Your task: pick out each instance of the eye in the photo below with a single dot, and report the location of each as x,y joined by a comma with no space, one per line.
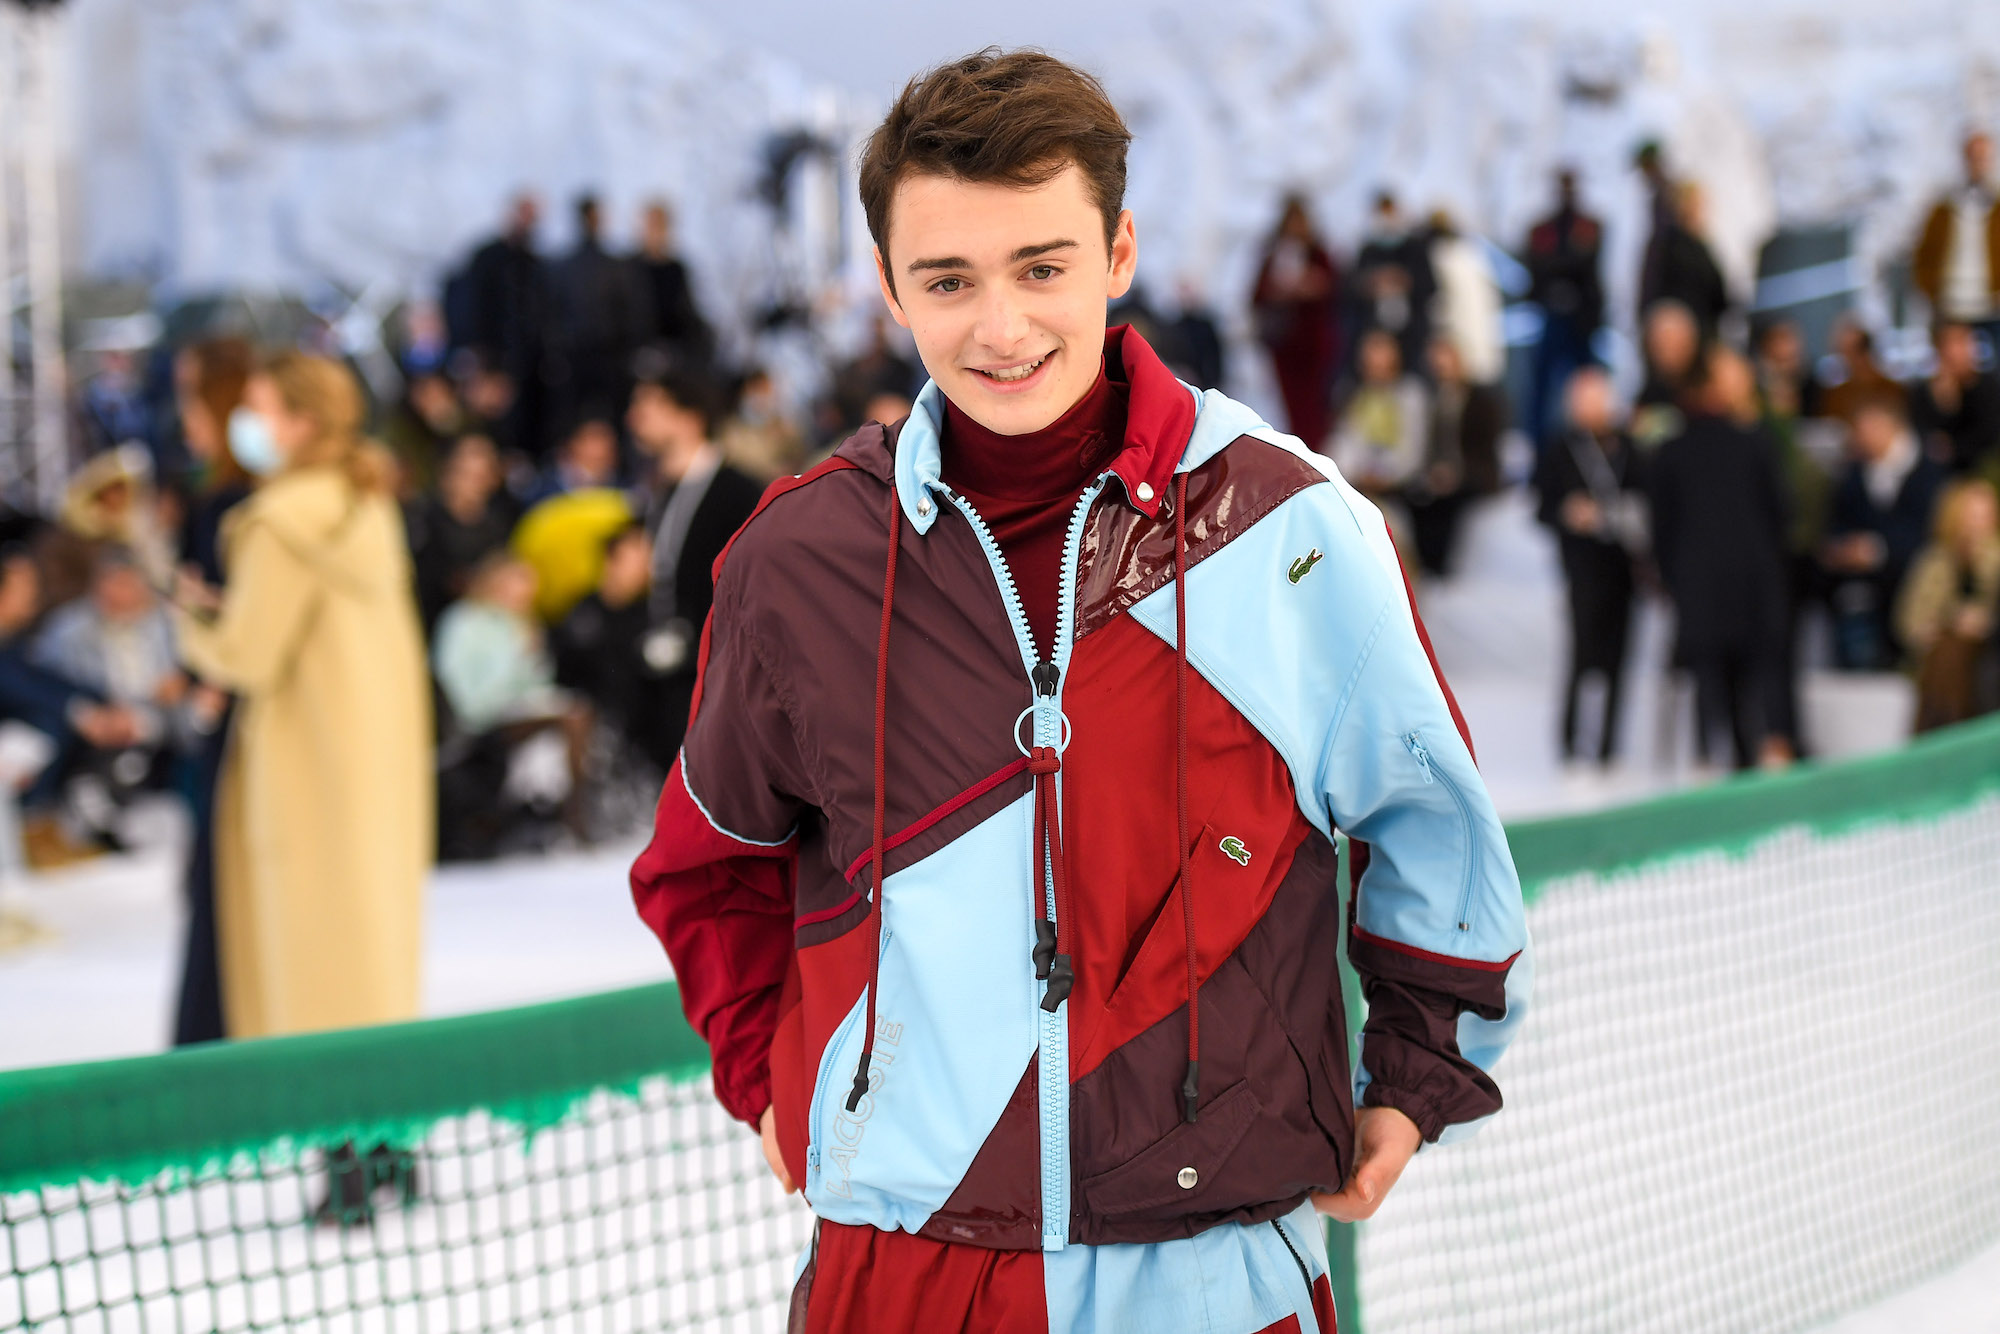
1043,272
946,286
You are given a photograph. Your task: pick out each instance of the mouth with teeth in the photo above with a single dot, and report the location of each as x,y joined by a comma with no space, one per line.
1016,374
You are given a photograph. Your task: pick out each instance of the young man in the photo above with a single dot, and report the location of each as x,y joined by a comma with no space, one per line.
1081,1063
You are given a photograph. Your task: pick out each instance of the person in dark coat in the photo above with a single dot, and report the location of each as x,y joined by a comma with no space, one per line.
1956,408
1461,458
600,646
600,318
674,320
1393,282
1296,304
498,308
1684,268
1881,518
1591,485
1566,281
209,378
1670,343
694,504
1719,522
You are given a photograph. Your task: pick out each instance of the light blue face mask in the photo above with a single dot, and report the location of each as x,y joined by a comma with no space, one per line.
251,441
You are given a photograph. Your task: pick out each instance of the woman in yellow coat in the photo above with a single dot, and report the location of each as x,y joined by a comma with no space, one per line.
324,814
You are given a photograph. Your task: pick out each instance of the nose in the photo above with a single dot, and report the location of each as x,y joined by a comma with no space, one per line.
1002,325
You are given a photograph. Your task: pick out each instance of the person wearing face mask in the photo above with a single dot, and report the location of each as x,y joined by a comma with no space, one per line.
323,817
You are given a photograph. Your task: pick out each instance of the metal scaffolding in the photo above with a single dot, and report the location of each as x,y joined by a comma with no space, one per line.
34,443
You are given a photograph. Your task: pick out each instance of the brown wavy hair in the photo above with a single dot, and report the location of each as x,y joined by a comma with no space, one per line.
219,368
325,393
1008,117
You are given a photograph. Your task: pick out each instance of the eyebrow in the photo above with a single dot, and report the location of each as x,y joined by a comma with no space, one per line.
1025,252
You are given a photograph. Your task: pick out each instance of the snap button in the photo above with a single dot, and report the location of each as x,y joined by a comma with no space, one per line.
1146,493
924,506
1187,1178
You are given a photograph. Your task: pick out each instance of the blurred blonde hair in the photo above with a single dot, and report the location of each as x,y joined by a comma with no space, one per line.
1948,527
325,393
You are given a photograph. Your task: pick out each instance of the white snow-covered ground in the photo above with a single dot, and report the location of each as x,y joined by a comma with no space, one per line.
101,983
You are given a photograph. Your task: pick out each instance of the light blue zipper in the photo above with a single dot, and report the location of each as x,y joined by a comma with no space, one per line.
1052,1064
1436,772
816,1130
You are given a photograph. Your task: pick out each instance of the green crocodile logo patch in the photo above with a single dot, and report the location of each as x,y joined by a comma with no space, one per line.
1232,848
1303,565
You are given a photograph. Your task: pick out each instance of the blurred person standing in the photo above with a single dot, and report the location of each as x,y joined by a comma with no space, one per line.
1296,307
674,320
1670,342
323,820
694,504
1882,510
1945,615
600,319
1565,278
1591,489
1719,519
1466,308
1384,427
1393,282
1787,395
209,378
1957,260
1461,455
498,308
1955,410
1684,268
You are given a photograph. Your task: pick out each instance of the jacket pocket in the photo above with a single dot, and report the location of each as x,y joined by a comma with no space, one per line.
1179,1168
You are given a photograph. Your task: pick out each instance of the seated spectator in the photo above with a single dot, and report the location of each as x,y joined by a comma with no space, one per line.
1946,613
586,461
1849,376
61,823
1955,410
1671,343
1591,488
496,675
118,642
1461,457
1785,386
605,650
760,439
1379,441
421,430
1881,516
466,520
884,367
1719,515
110,501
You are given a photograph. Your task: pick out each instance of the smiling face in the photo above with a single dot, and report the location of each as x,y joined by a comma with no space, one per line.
1004,289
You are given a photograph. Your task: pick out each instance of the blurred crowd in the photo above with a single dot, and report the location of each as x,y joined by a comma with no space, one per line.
1795,513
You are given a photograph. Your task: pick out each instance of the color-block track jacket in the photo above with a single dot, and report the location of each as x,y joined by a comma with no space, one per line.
1058,820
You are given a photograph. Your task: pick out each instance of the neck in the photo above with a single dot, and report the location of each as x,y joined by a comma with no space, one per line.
1057,460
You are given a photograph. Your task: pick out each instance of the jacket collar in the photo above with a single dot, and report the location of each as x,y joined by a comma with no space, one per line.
1162,422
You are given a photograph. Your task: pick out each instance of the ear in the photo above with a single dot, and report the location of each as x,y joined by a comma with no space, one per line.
889,290
1124,255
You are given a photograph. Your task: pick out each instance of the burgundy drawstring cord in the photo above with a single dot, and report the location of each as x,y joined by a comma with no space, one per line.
1191,1086
1045,762
875,868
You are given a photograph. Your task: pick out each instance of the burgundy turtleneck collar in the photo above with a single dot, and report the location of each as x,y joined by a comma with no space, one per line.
1054,463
